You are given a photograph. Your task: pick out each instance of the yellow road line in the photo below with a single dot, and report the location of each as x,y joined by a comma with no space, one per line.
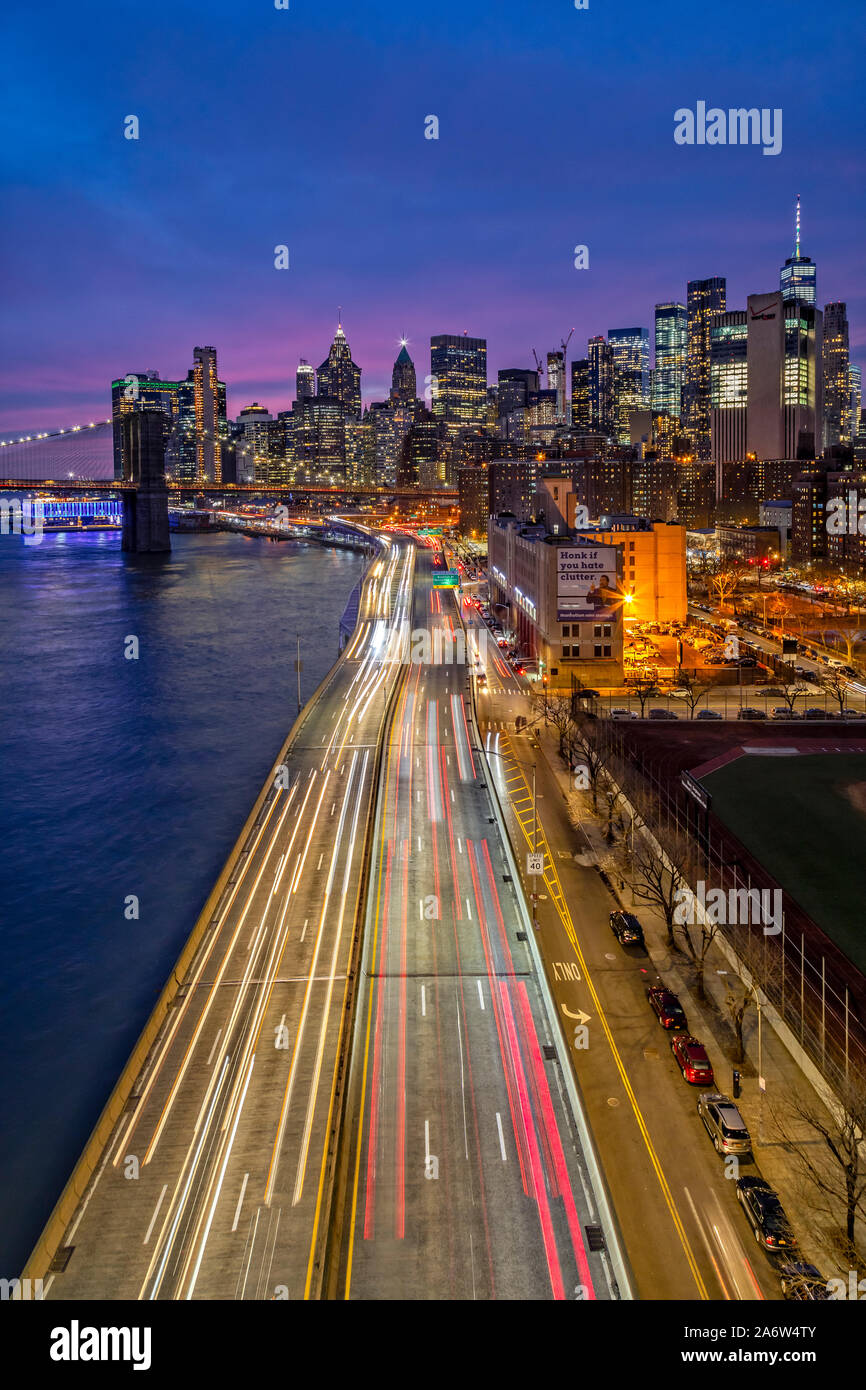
551,879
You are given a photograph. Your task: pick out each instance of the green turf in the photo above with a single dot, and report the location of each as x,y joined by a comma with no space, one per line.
794,815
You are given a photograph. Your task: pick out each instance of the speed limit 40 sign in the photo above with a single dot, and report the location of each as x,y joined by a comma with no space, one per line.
535,863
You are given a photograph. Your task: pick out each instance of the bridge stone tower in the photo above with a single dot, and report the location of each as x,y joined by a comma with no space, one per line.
145,511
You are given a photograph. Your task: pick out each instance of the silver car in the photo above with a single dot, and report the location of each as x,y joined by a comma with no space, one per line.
724,1124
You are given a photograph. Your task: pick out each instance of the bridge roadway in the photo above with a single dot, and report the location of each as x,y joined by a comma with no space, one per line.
229,1121
466,1176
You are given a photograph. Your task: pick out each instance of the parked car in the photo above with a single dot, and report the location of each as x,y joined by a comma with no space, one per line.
626,928
803,1283
621,713
748,712
853,714
747,661
815,713
708,714
761,1204
724,1124
667,1007
588,695
782,712
692,1059
657,713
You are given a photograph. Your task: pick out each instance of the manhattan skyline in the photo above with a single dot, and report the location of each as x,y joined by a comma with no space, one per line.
306,129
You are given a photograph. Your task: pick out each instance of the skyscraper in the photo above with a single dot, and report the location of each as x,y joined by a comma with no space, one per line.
729,384
630,350
305,381
556,382
601,383
458,367
581,415
798,276
403,384
785,396
209,404
705,299
837,376
670,348
339,378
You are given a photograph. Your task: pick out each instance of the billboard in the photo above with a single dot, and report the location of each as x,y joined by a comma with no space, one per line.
586,582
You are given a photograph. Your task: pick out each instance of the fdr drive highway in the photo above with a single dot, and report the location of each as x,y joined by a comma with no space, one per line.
359,1089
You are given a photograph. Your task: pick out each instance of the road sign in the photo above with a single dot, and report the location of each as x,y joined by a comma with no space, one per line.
445,579
535,863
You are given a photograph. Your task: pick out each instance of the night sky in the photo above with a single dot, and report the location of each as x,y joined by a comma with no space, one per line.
306,127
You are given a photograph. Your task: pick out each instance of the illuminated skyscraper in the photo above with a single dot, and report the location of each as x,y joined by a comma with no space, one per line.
458,366
556,382
209,400
340,378
729,385
837,376
403,383
601,385
798,276
305,381
630,350
670,347
581,414
706,298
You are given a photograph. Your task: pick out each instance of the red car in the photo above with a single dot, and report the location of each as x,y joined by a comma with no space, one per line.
667,1007
692,1059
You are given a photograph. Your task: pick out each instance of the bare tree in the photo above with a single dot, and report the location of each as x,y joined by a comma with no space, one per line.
839,1182
836,685
657,883
644,689
695,691
850,636
590,752
738,997
724,584
791,693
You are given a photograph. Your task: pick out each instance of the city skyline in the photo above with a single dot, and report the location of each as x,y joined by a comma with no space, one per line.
123,248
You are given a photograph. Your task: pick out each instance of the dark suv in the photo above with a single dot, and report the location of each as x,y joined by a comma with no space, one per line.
626,928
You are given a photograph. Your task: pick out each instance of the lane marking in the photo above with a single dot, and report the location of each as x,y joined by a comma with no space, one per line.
501,1138
155,1214
240,1201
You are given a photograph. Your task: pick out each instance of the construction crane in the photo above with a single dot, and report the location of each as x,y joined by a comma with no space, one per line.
539,365
564,345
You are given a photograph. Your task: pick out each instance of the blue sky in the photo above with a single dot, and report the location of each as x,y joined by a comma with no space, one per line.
305,127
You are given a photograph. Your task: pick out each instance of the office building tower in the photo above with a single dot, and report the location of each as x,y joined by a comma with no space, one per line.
696,493
360,446
785,395
139,391
601,385
305,381
670,350
418,463
474,487
339,378
320,440
630,350
837,376
804,380
556,382
729,384
256,445
458,368
209,415
581,412
798,276
403,384
855,398
705,299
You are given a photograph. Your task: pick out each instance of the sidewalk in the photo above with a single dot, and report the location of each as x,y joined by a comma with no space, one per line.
710,1019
